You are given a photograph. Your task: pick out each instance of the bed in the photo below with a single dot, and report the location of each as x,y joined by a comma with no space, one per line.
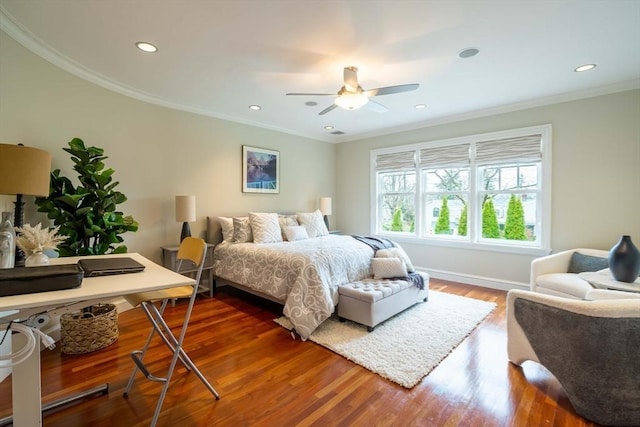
300,272
302,275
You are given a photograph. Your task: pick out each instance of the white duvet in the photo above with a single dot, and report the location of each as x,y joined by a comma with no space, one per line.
304,275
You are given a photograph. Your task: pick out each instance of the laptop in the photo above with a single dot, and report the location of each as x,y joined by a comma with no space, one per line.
94,267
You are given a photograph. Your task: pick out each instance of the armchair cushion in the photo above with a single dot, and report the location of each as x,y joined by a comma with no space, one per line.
563,284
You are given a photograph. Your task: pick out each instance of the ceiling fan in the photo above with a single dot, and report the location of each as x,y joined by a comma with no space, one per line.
351,96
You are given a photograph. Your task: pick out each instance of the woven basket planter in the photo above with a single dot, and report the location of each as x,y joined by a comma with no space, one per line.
84,332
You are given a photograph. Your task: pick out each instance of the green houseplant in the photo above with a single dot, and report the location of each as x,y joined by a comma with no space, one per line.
88,213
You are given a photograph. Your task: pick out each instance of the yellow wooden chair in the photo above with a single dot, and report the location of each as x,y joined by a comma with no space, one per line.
191,250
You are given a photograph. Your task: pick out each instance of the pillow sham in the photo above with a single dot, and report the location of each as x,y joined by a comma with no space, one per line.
314,223
396,252
226,224
242,230
296,232
388,268
265,227
287,221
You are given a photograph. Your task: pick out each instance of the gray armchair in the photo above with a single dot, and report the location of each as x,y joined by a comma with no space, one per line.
591,347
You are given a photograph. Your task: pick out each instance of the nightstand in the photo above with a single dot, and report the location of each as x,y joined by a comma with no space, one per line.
169,255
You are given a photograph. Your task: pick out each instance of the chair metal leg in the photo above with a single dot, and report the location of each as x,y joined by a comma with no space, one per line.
138,356
160,327
179,353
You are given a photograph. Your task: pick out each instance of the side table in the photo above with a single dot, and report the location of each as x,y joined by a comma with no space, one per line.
169,260
604,280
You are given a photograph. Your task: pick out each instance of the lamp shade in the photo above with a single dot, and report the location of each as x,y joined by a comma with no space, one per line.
24,170
185,208
325,205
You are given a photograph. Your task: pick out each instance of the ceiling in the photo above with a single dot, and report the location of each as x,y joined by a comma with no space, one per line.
218,57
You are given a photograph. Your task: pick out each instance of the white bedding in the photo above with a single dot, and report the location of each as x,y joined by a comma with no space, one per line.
304,275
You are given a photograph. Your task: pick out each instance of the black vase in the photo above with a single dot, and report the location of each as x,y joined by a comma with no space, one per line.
624,260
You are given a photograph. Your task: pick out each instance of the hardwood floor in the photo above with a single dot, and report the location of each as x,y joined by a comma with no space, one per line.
266,378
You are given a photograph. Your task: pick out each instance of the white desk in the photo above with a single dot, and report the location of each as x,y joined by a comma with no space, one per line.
26,391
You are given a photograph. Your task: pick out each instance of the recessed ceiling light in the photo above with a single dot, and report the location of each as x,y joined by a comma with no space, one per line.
585,67
255,107
146,47
328,127
420,106
468,52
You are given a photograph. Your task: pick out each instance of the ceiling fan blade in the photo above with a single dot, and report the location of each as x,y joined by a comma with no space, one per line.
391,89
351,78
326,110
376,106
312,94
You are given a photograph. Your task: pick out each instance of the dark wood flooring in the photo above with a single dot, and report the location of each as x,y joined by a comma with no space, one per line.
266,378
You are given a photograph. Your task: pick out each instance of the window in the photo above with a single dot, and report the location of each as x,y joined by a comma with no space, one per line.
489,190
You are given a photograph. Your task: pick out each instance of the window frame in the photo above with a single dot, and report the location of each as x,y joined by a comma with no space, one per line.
472,240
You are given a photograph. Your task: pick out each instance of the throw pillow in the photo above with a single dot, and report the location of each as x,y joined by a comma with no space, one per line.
580,263
226,224
388,268
396,252
314,223
287,221
296,232
265,227
242,230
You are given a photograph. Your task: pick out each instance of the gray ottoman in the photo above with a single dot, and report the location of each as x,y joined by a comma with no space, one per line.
371,301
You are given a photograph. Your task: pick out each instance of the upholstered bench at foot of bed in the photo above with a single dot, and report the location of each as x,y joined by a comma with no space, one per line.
371,301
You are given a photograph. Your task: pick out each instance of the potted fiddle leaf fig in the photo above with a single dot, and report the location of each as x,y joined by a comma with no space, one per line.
87,214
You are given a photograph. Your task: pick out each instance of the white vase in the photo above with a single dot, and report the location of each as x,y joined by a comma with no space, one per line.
36,259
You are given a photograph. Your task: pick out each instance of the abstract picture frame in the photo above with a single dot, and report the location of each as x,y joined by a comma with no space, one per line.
260,170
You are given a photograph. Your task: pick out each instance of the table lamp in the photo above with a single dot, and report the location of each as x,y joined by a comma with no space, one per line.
325,208
24,171
185,213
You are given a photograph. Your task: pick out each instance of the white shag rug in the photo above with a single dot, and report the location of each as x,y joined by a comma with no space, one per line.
405,348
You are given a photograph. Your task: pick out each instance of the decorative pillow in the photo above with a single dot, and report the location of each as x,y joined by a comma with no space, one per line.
226,224
388,268
396,252
287,221
314,223
242,230
580,263
265,227
296,232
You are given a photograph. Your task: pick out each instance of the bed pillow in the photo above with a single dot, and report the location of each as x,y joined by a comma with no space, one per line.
287,221
265,227
388,268
396,252
242,230
314,223
226,224
296,232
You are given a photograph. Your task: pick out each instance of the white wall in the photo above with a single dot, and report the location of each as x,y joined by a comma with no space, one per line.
595,182
156,152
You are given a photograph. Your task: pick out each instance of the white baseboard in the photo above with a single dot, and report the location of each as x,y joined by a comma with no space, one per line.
485,282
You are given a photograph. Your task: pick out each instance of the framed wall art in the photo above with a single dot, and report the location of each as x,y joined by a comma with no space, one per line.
260,170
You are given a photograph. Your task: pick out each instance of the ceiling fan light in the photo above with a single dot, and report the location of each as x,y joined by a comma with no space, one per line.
351,101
